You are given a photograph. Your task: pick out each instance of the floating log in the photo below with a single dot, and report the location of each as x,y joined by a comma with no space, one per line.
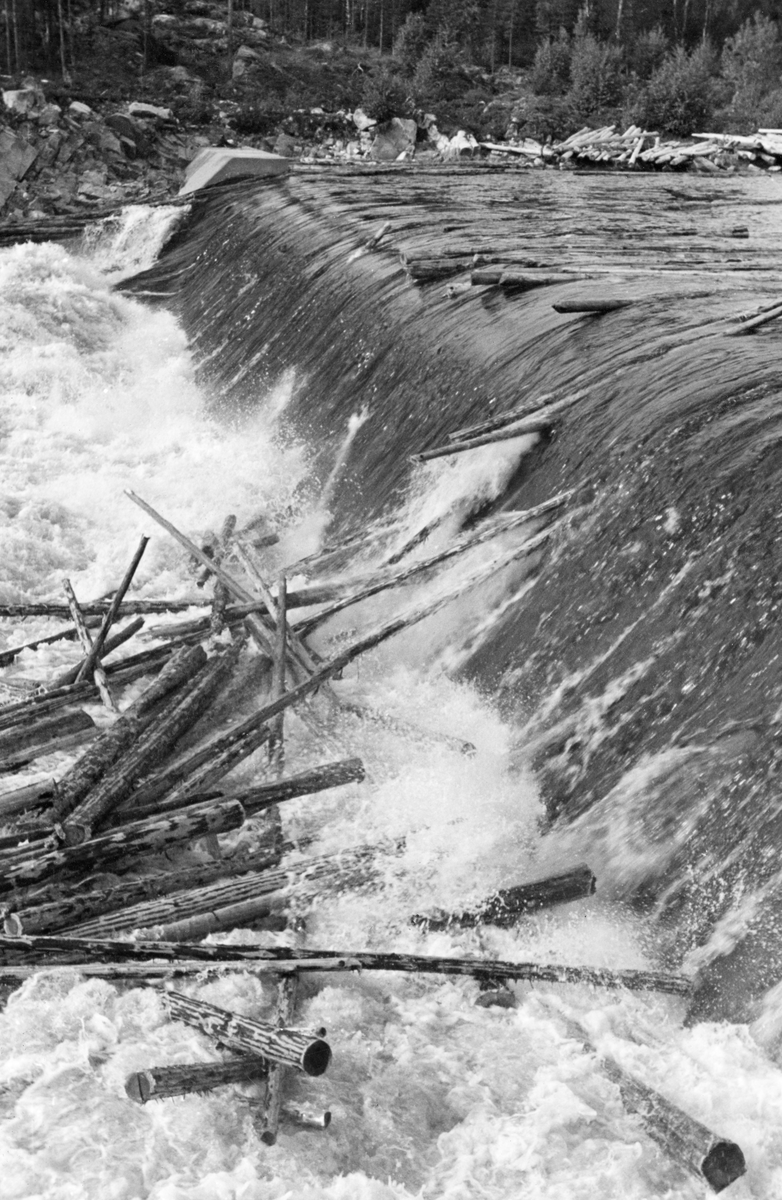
74,786
505,907
406,729
754,323
292,1047
376,237
20,745
151,747
521,280
70,906
85,637
689,1143
427,270
269,1116
160,1083
94,655
71,674
477,968
542,408
521,429
590,305
183,902
486,276
276,743
97,609
139,839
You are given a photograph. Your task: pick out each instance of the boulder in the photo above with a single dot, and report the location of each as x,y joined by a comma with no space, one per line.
149,112
49,115
78,109
243,59
16,158
362,121
462,145
393,139
285,145
24,101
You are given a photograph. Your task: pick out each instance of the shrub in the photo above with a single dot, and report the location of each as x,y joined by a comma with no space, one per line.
550,73
439,75
751,62
384,95
680,96
595,76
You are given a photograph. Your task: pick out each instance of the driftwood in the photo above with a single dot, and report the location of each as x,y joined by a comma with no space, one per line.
136,840
292,1047
269,1116
85,637
523,427
590,305
160,1083
505,907
689,1143
406,729
73,674
48,909
94,655
481,969
180,714
202,896
85,773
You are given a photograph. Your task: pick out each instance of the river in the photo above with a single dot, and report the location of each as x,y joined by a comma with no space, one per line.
620,681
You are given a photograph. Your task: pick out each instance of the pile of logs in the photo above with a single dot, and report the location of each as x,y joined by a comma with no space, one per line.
638,149
93,880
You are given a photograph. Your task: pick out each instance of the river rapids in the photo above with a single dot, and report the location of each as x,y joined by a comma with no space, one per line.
620,682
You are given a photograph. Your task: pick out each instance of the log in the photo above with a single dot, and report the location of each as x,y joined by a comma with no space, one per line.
522,428
477,968
19,743
70,906
542,407
152,746
269,1116
426,270
71,674
244,915
395,578
754,323
304,1116
183,902
590,305
136,840
64,635
486,276
160,1083
525,281
689,1143
94,655
377,235
85,637
23,798
299,654
406,729
276,743
76,783
292,1047
97,609
505,907
141,973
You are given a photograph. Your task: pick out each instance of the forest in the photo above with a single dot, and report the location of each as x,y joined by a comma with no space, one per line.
667,64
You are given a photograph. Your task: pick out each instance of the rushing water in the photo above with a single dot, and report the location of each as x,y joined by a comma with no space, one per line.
620,685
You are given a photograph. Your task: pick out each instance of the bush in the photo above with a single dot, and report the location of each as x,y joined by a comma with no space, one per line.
751,62
550,73
680,97
439,75
595,76
384,96
410,42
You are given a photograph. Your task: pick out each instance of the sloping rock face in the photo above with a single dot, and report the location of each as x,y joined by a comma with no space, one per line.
16,158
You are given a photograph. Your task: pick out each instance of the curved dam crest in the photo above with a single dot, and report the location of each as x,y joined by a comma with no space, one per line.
637,653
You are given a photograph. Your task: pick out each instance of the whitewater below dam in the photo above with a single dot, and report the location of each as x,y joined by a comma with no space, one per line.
620,682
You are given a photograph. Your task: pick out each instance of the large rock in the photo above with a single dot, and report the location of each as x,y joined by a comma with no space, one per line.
215,164
16,158
149,112
24,101
243,59
393,140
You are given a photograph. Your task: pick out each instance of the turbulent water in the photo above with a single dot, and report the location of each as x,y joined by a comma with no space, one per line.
620,683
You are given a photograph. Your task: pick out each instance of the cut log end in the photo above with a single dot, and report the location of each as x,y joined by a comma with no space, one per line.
723,1165
139,1087
316,1058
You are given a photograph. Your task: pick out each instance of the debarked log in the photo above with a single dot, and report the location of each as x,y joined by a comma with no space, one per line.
132,841
522,428
244,915
506,906
160,1083
292,1047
